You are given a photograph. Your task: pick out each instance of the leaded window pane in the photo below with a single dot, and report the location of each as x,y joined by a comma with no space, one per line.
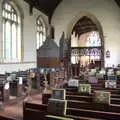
41,32
11,43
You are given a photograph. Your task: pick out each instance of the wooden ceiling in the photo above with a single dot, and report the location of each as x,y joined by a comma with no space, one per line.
84,25
45,6
48,7
118,2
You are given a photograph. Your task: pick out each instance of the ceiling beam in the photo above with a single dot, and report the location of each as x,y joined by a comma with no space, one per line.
118,2
46,6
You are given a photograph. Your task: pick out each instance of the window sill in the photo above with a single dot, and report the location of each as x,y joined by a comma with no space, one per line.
26,62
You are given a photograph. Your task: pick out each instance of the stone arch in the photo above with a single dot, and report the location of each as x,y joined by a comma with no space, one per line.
43,22
98,25
16,7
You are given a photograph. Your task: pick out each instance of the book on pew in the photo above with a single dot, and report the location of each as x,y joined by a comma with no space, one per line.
52,117
110,72
112,77
110,84
102,71
92,72
84,88
102,97
73,83
57,107
58,94
20,81
118,72
93,79
61,74
100,75
7,86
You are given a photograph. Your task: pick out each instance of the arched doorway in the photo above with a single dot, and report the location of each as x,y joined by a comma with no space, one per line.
87,43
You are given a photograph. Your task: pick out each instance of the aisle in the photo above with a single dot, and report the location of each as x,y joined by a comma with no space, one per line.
14,107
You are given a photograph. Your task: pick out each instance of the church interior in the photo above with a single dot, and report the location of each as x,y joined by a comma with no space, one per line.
59,60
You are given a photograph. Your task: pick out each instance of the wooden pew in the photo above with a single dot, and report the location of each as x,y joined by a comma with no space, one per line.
81,117
79,98
45,97
24,75
6,118
4,93
77,108
15,88
68,117
34,111
82,105
39,112
115,98
75,95
93,113
53,117
93,106
90,98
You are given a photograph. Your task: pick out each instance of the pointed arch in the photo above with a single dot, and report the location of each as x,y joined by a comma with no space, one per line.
41,31
95,21
12,25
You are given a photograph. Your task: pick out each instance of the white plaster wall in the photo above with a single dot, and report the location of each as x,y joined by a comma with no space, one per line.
29,31
16,67
107,13
29,38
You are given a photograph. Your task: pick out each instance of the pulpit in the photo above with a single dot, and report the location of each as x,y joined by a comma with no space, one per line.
48,54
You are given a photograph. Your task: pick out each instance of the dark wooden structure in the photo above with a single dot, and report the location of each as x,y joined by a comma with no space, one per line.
48,54
34,111
15,88
4,93
79,107
48,7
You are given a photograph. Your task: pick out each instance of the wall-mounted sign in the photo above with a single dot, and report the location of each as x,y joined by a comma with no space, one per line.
107,54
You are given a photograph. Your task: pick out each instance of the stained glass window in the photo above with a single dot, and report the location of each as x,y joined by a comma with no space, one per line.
41,31
89,48
11,42
93,39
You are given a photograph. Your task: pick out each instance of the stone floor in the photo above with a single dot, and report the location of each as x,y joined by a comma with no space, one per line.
14,107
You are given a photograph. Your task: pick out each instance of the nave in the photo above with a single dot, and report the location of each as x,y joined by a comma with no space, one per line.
77,99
